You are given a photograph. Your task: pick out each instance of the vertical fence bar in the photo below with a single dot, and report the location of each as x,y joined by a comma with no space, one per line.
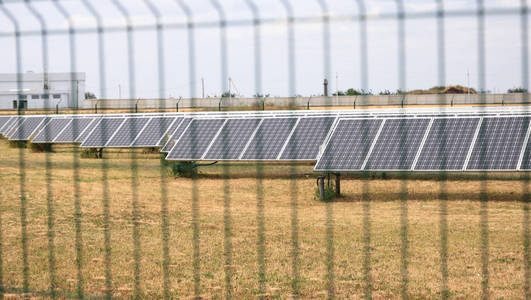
227,219
48,163
403,131
260,241
443,192
483,197
133,157
330,255
196,259
104,164
366,198
21,158
526,196
161,74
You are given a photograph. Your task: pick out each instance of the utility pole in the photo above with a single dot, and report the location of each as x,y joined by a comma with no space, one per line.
203,87
468,86
230,96
337,91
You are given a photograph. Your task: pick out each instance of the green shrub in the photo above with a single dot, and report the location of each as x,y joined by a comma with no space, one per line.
329,194
41,147
182,169
90,153
17,144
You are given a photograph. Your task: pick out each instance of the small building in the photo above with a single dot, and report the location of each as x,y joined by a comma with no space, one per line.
41,91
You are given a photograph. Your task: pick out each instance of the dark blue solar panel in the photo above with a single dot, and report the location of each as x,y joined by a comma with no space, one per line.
498,144
447,144
308,136
127,133
176,133
154,132
26,128
349,145
397,144
73,131
232,139
194,141
102,132
51,130
269,139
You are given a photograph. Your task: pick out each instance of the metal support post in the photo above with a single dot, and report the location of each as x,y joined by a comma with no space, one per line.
338,184
320,184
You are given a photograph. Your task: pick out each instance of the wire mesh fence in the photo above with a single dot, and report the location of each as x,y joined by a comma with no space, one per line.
126,226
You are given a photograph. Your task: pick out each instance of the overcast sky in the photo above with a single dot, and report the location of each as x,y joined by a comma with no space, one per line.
502,40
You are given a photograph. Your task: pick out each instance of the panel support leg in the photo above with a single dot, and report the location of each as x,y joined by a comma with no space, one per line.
320,184
338,184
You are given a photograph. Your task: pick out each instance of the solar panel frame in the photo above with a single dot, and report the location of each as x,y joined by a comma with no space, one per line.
210,154
202,145
123,137
7,126
374,127
114,124
27,128
426,156
54,128
281,140
156,121
176,134
306,157
514,155
4,120
60,139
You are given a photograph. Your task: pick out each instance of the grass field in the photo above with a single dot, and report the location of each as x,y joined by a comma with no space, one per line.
357,270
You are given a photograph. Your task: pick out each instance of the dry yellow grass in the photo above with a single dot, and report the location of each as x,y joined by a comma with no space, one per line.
505,232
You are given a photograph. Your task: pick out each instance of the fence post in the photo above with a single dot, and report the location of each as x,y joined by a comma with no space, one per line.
177,107
57,109
96,108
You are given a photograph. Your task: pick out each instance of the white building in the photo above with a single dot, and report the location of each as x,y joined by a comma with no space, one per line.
36,91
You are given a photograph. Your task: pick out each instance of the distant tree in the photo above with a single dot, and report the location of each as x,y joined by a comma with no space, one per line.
354,92
227,95
517,90
386,92
340,93
89,95
261,95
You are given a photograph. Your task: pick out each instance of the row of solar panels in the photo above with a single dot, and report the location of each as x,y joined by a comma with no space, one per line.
416,143
461,143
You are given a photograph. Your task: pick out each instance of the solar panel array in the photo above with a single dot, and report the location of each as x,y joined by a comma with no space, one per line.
485,139
51,130
25,128
75,131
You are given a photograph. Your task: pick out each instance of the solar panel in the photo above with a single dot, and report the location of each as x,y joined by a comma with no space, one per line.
177,132
127,133
51,130
5,128
194,141
447,144
73,130
154,132
4,120
349,144
269,139
26,128
232,139
397,144
308,136
102,132
498,144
